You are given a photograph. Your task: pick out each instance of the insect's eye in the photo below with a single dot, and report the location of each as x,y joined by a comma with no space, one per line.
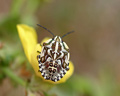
44,44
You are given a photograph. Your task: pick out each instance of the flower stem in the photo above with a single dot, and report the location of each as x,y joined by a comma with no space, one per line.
12,76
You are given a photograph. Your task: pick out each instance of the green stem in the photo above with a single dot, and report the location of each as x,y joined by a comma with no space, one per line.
12,76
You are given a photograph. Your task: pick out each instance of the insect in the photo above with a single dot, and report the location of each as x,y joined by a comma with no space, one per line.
54,58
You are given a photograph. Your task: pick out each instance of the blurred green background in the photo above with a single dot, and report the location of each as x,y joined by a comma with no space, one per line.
94,46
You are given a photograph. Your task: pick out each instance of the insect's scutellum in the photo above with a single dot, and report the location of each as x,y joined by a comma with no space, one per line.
53,59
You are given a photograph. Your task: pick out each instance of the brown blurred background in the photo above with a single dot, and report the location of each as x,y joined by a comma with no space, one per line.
95,44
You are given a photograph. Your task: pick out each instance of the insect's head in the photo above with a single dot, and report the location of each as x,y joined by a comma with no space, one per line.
57,39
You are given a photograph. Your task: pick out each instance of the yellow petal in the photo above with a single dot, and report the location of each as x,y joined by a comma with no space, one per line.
28,38
35,65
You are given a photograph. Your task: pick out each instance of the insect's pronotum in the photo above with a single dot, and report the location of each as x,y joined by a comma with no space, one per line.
54,58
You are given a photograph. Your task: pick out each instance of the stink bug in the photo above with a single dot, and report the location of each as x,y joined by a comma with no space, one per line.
54,58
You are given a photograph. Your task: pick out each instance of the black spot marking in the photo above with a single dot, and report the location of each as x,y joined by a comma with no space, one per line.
64,72
54,70
53,79
55,65
43,74
51,61
51,64
47,78
58,78
50,70
41,71
68,64
61,76
40,66
67,69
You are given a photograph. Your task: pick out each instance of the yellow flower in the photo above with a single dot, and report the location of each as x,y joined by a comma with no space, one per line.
28,38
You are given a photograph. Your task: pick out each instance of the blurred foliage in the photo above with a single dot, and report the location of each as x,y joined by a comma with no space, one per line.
12,59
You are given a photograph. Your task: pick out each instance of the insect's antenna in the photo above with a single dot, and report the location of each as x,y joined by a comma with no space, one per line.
67,33
46,29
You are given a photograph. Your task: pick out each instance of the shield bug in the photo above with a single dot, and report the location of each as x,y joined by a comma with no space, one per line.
54,58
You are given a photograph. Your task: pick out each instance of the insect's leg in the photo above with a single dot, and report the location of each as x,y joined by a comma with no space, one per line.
67,67
41,45
38,52
38,56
